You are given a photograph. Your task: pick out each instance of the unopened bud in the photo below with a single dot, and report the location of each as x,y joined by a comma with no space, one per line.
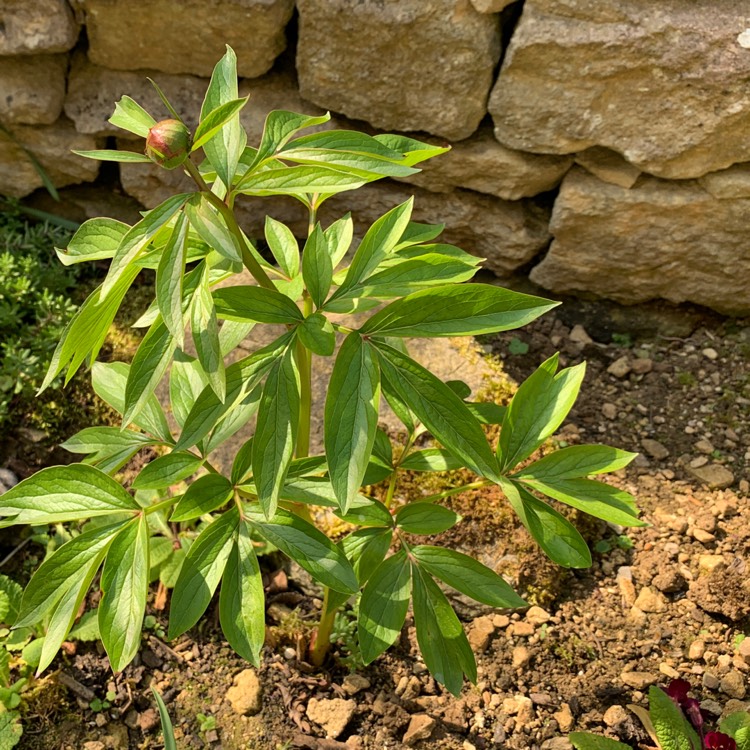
168,143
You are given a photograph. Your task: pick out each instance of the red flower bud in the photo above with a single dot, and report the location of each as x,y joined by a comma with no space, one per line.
168,143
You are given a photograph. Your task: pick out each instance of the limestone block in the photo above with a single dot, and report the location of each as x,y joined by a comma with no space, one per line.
93,91
672,240
662,83
491,6
481,163
51,145
186,36
36,26
733,182
33,88
414,65
608,166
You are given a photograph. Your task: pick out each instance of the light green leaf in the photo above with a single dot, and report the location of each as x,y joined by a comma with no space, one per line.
276,430
586,741
201,572
557,537
110,380
467,575
233,333
366,549
366,511
339,238
65,493
169,276
351,417
316,334
537,409
466,310
431,459
205,494
383,606
595,498
223,152
317,270
283,245
737,725
165,471
147,369
426,518
58,572
104,442
672,728
576,461
300,181
234,420
205,329
166,723
442,412
114,155
186,382
95,239
441,638
241,602
213,122
308,547
130,116
124,589
413,151
256,303
242,463
416,233
210,226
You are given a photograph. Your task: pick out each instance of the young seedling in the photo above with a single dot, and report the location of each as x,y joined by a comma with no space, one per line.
401,282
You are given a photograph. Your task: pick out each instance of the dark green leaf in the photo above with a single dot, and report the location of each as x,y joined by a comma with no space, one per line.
283,245
205,330
210,226
301,181
366,549
316,334
256,303
165,471
205,494
383,606
367,511
279,127
169,275
201,572
317,269
576,461
426,518
166,723
431,459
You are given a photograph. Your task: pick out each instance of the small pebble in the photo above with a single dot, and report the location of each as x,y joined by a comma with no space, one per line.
710,353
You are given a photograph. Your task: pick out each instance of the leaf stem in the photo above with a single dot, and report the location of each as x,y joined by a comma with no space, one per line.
304,362
456,490
248,258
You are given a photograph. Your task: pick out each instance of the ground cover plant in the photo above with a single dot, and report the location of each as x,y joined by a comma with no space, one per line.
400,282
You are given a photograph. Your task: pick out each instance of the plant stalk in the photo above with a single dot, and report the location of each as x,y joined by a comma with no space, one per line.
322,644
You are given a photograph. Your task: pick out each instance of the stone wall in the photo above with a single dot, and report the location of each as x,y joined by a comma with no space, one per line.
601,145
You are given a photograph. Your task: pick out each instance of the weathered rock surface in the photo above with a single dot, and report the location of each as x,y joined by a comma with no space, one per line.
34,26
733,182
608,166
186,36
93,91
426,64
481,163
332,714
33,88
245,695
51,145
491,6
660,83
658,239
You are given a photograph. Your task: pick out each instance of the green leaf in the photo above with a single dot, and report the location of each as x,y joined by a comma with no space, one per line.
58,572
339,238
737,725
595,498
205,494
165,471
169,276
65,493
276,430
205,329
441,638
576,461
431,459
413,151
235,419
366,549
242,463
4,668
366,511
416,233
137,238
256,303
147,369
586,741
467,575
672,728
351,417
186,382
130,116
124,589
347,161
308,547
425,518
466,310
316,334
232,334
283,245
486,412
300,181
223,152
110,380
210,226
442,412
317,270
87,628
201,572
10,730
383,606
378,242
104,442
114,155
95,239
241,602
166,722
215,120
557,537
13,595
537,409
